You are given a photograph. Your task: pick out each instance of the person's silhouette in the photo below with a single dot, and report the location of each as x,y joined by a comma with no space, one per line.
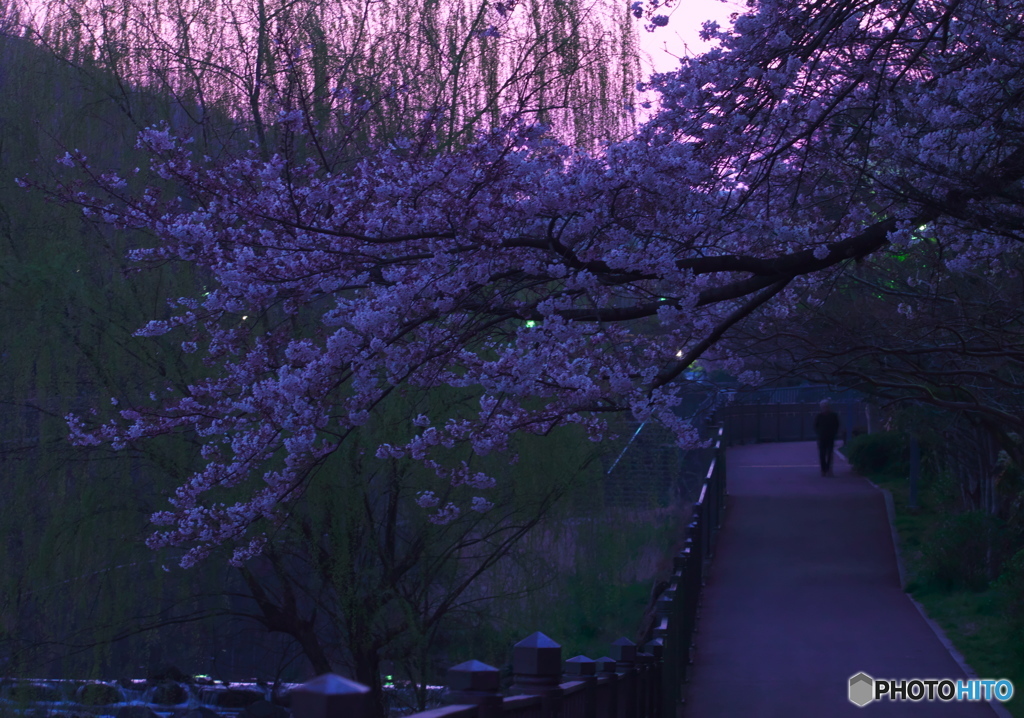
826,426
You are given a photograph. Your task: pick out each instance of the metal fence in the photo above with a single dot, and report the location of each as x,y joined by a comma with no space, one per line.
753,423
648,469
803,394
633,682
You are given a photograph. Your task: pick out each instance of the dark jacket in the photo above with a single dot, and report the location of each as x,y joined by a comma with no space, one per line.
826,425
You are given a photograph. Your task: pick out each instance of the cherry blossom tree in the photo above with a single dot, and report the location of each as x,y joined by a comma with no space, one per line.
376,583
561,284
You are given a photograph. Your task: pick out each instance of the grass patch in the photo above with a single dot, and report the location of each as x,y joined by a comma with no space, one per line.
592,583
980,621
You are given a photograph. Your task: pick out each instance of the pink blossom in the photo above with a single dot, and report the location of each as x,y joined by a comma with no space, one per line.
561,285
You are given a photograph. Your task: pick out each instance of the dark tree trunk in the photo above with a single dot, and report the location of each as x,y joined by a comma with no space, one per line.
284,616
367,670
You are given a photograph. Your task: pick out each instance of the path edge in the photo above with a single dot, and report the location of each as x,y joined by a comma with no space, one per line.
890,510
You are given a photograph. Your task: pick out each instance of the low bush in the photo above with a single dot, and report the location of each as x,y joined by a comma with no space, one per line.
966,550
1010,589
879,453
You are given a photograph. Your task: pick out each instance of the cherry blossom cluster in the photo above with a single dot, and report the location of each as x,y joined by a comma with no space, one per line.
563,285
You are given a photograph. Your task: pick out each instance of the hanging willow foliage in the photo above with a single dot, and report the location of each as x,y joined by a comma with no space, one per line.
369,69
78,588
74,571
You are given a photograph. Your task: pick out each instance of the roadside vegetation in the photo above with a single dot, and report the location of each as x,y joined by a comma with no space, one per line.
966,567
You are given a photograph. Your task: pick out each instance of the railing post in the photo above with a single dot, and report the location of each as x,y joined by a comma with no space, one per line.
695,543
678,633
606,670
720,468
537,669
663,606
624,653
476,684
706,522
668,632
656,649
645,676
331,696
581,668
691,590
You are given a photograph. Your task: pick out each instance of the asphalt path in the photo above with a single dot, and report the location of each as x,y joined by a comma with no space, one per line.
804,592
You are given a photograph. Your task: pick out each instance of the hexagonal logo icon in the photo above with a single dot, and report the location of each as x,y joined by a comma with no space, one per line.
862,689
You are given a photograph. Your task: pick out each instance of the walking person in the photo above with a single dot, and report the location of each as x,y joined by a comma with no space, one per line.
826,426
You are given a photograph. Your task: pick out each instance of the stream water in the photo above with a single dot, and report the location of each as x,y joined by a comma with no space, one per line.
167,699
131,698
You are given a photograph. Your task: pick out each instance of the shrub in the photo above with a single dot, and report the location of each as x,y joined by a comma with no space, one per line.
966,550
1010,588
879,453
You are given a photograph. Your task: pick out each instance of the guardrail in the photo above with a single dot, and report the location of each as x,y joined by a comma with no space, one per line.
677,607
633,682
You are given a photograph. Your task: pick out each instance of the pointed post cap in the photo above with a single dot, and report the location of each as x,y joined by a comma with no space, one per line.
537,655
624,650
580,666
656,647
473,676
330,696
605,664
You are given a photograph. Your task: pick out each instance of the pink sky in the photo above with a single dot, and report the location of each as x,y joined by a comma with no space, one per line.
680,37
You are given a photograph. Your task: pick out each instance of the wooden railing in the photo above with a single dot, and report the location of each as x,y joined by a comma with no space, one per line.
633,682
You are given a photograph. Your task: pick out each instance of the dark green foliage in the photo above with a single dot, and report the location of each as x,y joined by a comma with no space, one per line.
398,587
590,584
879,453
602,605
966,550
28,693
74,572
169,693
97,694
1010,588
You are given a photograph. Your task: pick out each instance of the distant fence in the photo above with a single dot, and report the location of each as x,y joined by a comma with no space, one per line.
803,394
633,682
753,423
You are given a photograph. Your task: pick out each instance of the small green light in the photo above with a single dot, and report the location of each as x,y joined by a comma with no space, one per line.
530,324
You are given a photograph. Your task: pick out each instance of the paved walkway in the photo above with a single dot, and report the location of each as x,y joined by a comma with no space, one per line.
803,593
